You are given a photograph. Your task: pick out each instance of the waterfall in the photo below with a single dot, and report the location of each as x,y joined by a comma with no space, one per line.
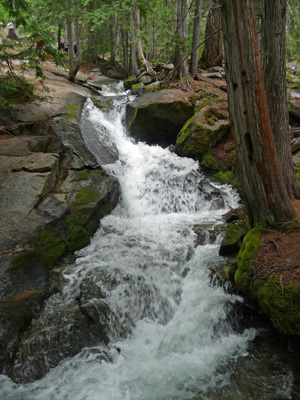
170,330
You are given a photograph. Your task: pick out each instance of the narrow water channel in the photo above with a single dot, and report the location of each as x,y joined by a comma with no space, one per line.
173,329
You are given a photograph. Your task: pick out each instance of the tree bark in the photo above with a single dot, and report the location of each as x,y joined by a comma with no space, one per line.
70,41
139,47
59,37
112,39
78,41
212,54
274,71
182,31
196,38
133,59
263,188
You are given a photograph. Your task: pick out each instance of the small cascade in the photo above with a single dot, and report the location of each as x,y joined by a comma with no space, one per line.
168,331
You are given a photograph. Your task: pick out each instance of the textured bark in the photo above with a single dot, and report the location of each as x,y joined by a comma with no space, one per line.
112,39
78,42
139,47
196,38
274,71
133,59
264,190
70,41
59,37
213,51
181,32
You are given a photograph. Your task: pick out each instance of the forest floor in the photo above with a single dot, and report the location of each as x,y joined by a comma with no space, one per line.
279,254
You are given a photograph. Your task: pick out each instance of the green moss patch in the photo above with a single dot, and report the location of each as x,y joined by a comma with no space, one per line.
245,272
280,303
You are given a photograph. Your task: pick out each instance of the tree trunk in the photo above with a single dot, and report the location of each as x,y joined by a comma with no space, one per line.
196,38
133,66
112,40
71,76
59,37
264,190
274,71
139,48
181,31
78,42
212,54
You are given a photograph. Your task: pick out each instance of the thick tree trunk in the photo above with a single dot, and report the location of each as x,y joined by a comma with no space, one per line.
196,38
212,54
264,190
142,62
181,31
274,71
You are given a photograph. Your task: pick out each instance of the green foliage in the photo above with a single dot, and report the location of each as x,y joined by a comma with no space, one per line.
14,90
293,29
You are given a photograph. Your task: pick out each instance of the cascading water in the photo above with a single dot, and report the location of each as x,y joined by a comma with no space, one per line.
169,327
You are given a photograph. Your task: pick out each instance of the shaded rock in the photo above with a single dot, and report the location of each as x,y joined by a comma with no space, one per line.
207,233
204,130
215,69
234,235
294,103
296,160
60,333
295,145
146,79
51,203
156,118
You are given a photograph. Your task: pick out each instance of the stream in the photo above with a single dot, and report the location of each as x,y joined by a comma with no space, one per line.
175,330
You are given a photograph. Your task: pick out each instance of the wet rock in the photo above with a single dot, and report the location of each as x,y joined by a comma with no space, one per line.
207,233
233,239
156,118
52,200
59,333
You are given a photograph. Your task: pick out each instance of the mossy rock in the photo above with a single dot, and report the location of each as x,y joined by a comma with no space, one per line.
245,272
128,82
232,241
280,303
95,194
226,177
200,133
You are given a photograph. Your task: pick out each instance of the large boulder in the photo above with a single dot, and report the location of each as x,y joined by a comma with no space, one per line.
53,194
205,129
156,118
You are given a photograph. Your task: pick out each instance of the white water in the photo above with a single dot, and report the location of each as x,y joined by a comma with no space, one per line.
178,341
